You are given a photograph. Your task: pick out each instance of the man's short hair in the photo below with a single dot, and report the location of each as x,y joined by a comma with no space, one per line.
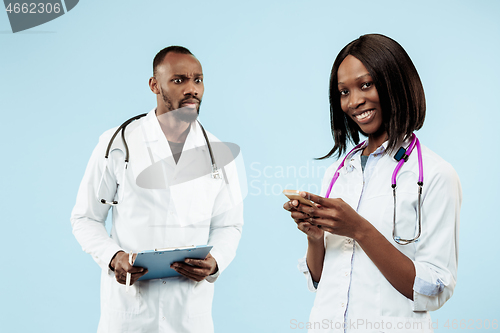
161,55
399,88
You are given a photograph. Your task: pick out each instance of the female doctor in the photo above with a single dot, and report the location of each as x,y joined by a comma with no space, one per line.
379,262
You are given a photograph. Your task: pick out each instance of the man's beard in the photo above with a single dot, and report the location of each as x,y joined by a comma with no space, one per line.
185,114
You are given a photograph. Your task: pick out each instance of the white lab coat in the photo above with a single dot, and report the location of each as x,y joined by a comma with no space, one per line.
352,291
195,212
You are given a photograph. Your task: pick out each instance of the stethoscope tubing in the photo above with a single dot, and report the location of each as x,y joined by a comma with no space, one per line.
414,143
337,174
122,127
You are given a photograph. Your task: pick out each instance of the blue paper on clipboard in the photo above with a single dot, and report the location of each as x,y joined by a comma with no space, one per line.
158,261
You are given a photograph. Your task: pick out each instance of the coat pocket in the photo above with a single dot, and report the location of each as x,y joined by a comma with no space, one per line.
200,303
115,298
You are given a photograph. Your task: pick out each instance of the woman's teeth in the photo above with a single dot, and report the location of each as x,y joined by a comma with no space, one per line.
364,115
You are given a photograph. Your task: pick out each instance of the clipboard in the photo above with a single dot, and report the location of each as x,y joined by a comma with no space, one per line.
158,261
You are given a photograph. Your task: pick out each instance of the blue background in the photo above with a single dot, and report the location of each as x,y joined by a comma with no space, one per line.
266,67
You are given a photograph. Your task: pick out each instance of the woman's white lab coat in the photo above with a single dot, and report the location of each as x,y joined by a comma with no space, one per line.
191,212
352,291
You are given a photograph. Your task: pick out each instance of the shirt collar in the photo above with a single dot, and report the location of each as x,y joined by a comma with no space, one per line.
383,148
378,151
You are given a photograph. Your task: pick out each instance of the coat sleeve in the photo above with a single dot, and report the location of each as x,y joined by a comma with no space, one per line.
89,214
436,252
227,220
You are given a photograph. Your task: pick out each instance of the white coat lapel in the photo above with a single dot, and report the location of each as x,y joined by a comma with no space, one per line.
154,169
157,141
194,189
194,160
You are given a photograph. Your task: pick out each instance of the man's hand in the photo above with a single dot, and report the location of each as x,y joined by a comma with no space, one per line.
196,269
121,267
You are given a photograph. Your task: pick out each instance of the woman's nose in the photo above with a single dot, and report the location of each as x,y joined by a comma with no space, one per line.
356,98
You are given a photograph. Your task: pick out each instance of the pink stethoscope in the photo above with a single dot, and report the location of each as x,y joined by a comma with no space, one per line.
401,156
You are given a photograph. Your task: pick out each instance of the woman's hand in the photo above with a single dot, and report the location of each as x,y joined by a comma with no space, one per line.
332,215
337,217
303,224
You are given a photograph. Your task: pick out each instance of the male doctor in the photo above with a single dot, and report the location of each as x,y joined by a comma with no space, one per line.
160,199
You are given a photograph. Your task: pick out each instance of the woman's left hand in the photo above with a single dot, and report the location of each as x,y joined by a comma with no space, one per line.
337,217
334,216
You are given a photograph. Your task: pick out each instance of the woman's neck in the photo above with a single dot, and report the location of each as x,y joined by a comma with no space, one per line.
374,141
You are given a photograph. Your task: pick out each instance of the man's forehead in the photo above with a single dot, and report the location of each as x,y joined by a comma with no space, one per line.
178,63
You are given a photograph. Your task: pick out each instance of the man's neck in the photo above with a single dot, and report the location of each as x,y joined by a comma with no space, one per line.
174,129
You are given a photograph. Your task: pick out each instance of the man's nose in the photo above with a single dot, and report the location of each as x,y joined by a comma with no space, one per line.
191,89
356,98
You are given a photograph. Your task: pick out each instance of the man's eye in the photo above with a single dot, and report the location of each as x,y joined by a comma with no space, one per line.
177,80
198,80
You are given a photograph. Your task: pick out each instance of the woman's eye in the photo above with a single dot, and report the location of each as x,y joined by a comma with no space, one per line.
366,85
343,92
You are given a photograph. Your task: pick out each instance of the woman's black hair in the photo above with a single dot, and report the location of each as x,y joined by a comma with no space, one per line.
399,88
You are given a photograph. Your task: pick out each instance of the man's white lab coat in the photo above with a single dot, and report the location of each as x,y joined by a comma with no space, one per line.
191,212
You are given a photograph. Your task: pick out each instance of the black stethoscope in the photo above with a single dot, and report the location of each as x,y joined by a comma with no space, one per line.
401,156
215,169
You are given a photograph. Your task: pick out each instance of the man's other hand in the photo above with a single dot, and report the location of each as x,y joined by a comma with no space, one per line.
196,269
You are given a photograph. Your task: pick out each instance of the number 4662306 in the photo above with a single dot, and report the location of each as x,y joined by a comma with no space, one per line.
472,324
33,8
